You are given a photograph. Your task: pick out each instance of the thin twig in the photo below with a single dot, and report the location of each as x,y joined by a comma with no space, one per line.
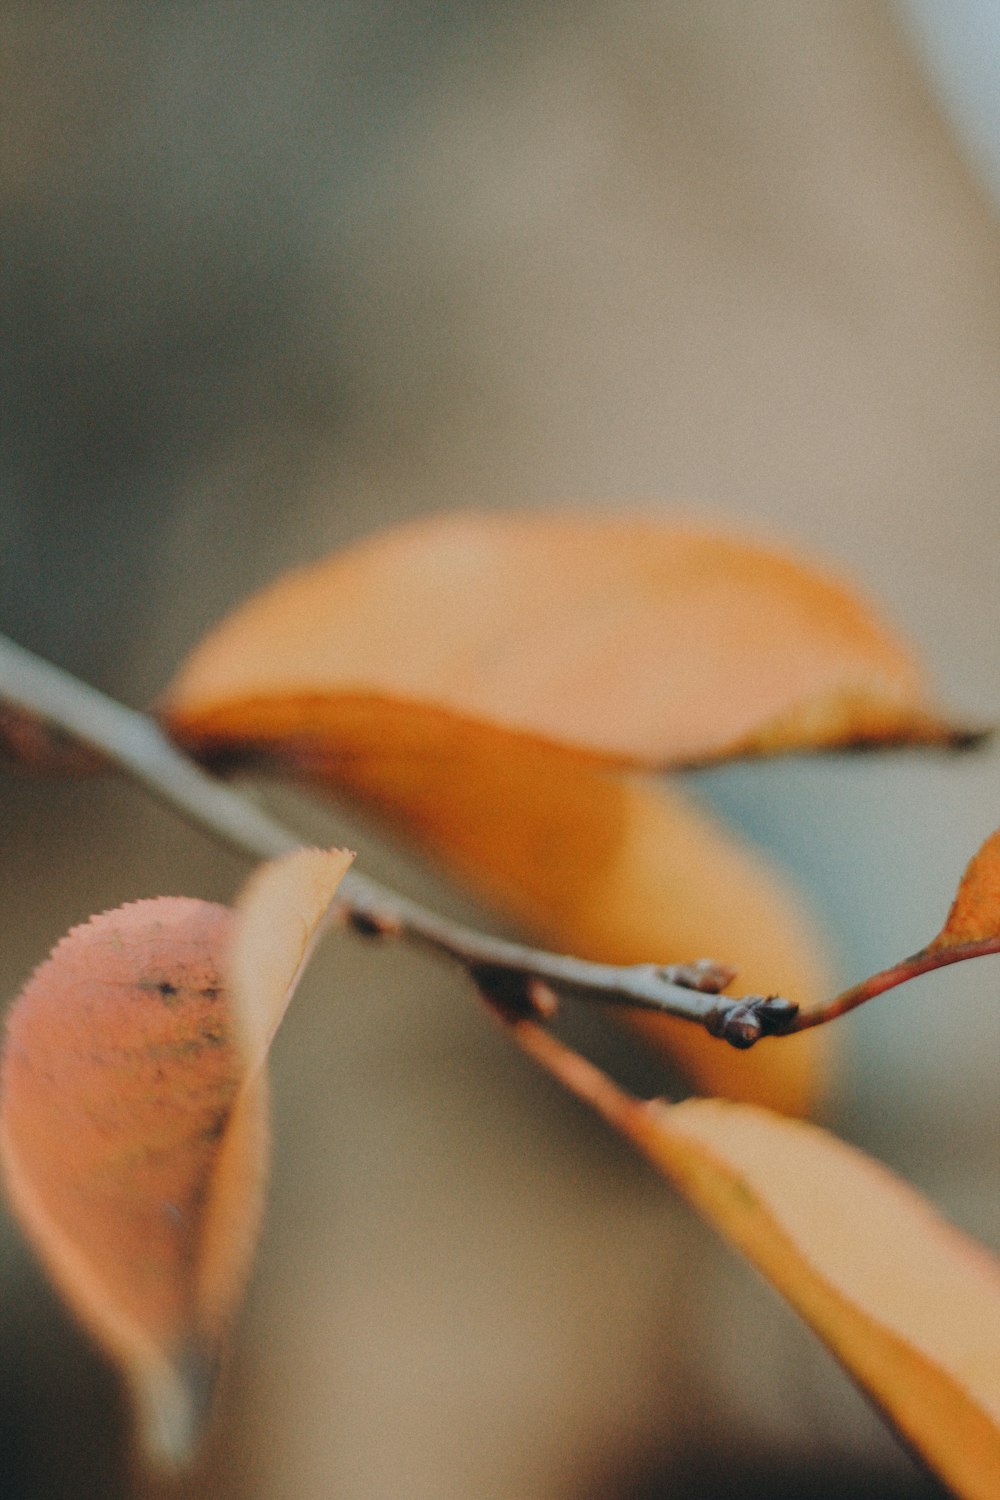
132,742
924,962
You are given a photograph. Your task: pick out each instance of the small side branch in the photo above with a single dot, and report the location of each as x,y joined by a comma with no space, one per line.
47,699
924,962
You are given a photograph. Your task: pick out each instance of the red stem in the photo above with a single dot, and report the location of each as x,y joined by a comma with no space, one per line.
924,962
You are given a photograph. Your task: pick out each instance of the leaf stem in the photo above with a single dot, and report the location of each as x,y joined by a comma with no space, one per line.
924,962
134,743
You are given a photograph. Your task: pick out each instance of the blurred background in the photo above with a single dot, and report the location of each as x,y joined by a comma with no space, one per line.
277,274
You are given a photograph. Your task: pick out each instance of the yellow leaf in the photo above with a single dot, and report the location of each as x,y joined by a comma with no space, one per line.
133,1123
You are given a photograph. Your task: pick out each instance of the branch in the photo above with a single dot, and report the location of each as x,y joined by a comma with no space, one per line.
49,707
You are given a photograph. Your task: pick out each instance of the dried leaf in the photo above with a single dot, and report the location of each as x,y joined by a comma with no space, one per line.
630,640
133,1124
909,1305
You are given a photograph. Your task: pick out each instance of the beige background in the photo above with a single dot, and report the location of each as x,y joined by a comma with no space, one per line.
282,273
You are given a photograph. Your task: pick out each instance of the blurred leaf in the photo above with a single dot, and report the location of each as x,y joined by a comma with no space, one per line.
280,917
31,744
604,865
611,868
133,1122
627,639
910,1306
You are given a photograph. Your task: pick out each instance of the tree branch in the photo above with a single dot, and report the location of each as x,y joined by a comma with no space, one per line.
48,707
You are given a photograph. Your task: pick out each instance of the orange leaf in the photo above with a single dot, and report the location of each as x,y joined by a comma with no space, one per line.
628,639
281,913
133,1124
606,866
280,916
614,869
975,912
910,1306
